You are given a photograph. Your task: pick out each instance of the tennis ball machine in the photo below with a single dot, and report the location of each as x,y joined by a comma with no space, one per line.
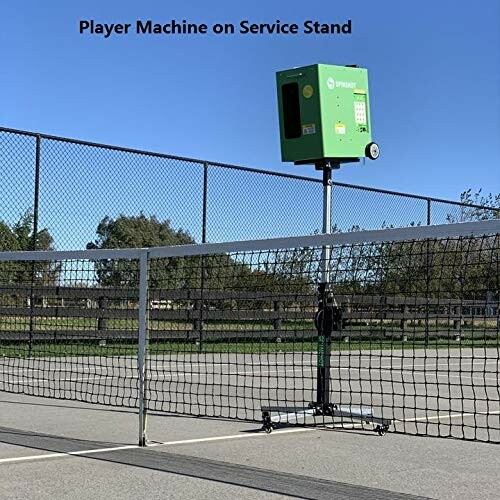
324,116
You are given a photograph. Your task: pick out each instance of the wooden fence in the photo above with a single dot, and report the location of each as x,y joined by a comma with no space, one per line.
82,313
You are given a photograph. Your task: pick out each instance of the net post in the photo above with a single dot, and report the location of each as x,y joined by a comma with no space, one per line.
143,344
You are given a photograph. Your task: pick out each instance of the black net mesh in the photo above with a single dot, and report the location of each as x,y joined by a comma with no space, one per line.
418,342
69,332
400,334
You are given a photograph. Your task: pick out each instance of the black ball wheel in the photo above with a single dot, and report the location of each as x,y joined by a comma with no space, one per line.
372,150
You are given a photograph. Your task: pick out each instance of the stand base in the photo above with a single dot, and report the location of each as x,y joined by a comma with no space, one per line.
287,414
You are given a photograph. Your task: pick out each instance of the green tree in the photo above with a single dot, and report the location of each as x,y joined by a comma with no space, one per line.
260,272
462,268
20,238
468,213
456,267
140,232
466,267
179,273
8,240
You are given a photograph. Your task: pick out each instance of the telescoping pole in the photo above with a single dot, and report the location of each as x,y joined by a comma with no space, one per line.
324,316
327,222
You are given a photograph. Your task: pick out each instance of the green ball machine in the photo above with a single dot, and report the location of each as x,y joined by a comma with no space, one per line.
324,117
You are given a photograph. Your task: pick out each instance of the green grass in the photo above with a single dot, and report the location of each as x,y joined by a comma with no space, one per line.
22,324
244,347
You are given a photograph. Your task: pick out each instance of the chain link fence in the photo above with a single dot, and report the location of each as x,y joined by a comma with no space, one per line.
65,188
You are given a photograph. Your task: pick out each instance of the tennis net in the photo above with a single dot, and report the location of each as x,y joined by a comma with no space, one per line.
394,330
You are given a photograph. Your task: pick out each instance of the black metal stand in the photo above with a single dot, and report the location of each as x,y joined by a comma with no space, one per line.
328,319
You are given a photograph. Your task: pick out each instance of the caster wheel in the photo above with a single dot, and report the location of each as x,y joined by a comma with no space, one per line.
267,424
381,430
372,150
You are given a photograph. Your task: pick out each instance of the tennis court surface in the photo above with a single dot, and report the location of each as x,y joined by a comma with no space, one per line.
451,394
321,339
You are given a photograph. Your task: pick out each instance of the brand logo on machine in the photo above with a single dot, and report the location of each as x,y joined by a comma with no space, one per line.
331,84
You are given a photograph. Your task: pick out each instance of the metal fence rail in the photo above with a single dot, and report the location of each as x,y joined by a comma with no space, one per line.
67,187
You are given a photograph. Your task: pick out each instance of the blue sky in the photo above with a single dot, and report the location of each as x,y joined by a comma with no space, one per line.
433,68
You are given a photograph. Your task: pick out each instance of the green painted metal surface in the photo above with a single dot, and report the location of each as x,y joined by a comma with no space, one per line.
324,112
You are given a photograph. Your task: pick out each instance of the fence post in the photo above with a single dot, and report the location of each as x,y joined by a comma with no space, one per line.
427,276
198,320
143,344
103,306
203,258
204,207
278,308
36,196
457,323
405,310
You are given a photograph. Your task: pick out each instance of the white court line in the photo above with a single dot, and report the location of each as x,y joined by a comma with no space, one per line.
211,439
447,416
48,380
219,438
431,364
467,360
64,455
424,419
151,379
420,373
131,447
133,368
176,365
64,370
165,376
311,368
170,376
